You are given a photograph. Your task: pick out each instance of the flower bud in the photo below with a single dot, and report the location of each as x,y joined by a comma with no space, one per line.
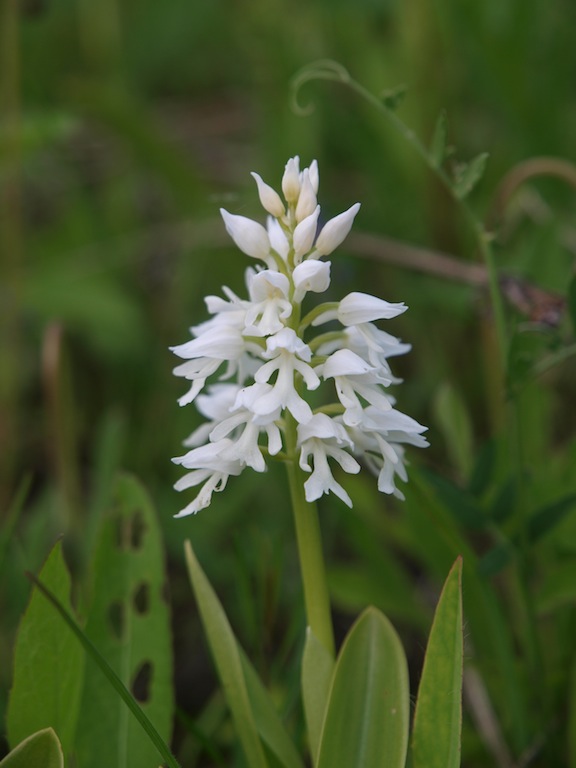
314,176
248,235
305,233
335,231
363,308
307,198
291,180
270,199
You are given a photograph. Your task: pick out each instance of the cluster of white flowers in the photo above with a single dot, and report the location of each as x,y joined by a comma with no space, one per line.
268,361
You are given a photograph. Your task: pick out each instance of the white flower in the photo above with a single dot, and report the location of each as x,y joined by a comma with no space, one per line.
334,232
375,345
205,354
291,180
381,437
307,203
288,355
305,233
269,305
322,437
358,308
208,468
266,368
310,276
355,378
249,236
270,199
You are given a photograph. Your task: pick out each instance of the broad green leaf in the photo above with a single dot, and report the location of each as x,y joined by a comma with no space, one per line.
438,716
268,724
469,174
438,143
111,676
366,723
40,750
48,664
128,622
227,660
454,421
316,678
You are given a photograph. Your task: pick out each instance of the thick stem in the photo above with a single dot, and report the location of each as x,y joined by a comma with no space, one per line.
309,540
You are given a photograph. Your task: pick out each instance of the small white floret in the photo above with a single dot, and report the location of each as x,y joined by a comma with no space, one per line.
335,231
249,236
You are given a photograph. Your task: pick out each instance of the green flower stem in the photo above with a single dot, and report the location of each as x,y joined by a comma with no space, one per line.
309,540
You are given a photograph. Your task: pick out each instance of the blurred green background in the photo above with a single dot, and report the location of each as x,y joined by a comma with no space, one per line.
125,125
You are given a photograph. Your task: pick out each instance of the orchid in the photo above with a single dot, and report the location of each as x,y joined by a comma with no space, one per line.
267,358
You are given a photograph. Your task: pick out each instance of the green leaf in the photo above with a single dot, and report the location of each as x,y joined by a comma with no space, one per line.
557,587
48,664
462,505
547,518
540,523
227,660
366,723
438,716
111,676
316,677
454,421
40,750
128,622
467,175
438,143
482,474
268,724
394,97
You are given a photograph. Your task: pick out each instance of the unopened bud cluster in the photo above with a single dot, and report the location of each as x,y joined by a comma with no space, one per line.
264,356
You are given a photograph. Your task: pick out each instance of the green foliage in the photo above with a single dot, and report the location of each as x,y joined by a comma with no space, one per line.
48,665
39,750
366,721
253,711
438,716
454,422
316,677
438,142
55,686
467,175
123,127
129,624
